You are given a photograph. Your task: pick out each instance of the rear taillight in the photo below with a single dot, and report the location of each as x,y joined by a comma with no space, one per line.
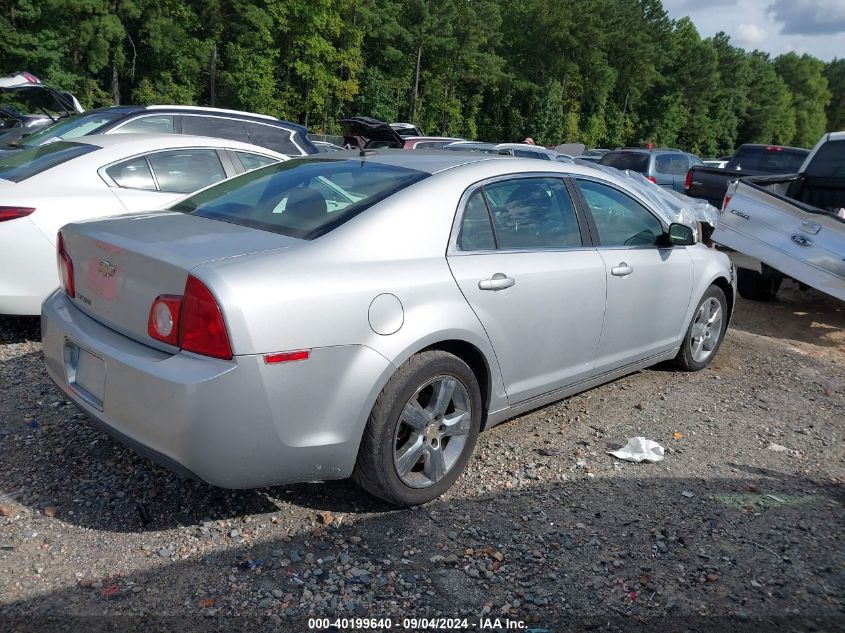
192,321
652,179
725,203
163,324
774,148
688,180
65,267
13,213
201,328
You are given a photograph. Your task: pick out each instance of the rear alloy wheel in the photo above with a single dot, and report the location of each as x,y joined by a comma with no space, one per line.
705,333
421,431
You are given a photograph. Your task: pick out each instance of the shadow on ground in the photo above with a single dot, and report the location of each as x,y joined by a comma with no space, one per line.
613,553
808,316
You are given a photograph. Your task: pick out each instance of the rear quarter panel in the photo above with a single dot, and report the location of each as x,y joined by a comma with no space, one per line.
321,295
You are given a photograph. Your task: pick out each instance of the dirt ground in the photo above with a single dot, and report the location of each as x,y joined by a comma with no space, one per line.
739,528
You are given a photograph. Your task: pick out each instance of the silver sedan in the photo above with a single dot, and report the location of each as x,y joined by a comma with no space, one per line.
366,315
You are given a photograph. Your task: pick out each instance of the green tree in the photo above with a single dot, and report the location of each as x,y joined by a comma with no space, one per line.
804,77
834,72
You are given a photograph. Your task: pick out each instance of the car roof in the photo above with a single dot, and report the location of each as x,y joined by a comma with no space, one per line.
150,142
436,161
185,109
430,138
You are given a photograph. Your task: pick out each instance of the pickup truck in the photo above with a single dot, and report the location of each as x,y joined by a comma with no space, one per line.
711,183
790,225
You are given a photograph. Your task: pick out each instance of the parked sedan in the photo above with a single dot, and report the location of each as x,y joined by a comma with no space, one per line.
263,331
43,188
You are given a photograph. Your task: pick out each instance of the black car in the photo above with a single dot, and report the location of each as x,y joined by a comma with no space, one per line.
258,129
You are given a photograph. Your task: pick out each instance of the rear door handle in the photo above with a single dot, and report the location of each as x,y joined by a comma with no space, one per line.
622,270
499,281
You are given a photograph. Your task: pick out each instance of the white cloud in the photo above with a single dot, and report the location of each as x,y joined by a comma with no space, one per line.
749,35
789,25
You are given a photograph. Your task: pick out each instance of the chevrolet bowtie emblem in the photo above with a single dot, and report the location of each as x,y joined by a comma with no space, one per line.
105,268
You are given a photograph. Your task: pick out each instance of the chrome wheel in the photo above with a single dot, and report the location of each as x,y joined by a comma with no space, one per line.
706,330
432,431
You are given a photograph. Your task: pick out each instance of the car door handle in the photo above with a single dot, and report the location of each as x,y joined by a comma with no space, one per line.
499,281
622,270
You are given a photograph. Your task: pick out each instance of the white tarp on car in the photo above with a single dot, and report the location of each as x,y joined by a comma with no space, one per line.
672,206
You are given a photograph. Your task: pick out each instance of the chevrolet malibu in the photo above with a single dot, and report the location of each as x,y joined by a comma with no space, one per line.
366,315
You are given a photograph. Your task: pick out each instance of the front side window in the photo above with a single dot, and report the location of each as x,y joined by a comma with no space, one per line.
302,198
162,124
132,174
186,170
620,220
530,213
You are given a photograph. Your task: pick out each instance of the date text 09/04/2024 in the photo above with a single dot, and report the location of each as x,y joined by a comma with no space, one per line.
417,624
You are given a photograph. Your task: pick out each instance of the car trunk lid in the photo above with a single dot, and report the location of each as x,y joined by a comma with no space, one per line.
121,265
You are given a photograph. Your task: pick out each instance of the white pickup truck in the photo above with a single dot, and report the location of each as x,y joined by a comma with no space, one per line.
789,225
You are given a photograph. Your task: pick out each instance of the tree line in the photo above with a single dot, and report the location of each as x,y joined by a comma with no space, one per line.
603,72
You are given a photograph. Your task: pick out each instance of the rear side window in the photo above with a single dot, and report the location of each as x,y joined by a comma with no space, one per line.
276,138
476,230
532,213
133,174
254,161
671,164
186,170
302,198
529,154
162,124
631,161
829,161
22,164
215,127
620,220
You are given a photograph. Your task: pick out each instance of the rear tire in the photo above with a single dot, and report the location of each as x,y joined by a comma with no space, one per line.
421,431
705,333
757,286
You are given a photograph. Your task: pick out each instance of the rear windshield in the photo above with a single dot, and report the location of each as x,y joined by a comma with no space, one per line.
777,160
302,198
72,127
632,161
829,161
21,164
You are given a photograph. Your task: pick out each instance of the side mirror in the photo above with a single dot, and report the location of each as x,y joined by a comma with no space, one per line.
681,235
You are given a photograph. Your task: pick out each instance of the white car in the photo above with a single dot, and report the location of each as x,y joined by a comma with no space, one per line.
44,188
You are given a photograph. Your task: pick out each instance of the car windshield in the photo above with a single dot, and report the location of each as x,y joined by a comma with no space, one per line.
18,166
72,127
632,161
302,198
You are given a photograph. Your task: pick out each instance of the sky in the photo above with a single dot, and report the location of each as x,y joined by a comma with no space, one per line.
816,27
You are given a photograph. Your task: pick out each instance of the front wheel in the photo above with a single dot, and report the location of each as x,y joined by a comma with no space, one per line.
705,333
422,430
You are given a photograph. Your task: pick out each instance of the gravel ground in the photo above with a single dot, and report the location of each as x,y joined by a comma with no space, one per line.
742,520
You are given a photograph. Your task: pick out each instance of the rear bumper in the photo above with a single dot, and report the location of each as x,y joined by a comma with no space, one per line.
234,424
28,265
